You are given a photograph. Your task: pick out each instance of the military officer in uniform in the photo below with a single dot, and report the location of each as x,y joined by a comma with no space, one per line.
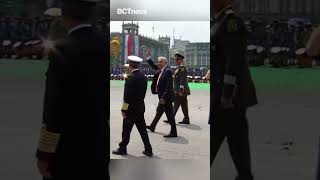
181,89
233,88
133,108
74,141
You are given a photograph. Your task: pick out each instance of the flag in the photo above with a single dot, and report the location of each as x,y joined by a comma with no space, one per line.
126,48
136,45
129,45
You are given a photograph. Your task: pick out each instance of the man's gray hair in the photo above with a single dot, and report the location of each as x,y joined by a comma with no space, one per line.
163,59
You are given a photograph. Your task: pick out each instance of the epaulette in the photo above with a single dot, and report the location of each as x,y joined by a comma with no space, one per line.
229,11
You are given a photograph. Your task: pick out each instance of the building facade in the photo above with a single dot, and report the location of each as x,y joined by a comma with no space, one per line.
179,46
131,42
308,9
198,54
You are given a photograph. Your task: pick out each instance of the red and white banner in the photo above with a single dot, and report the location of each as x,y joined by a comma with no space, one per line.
136,45
129,49
125,48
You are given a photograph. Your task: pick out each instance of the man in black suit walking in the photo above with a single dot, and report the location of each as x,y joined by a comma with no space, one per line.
133,108
163,86
74,136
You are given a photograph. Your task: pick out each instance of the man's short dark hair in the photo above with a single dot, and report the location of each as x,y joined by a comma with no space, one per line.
80,10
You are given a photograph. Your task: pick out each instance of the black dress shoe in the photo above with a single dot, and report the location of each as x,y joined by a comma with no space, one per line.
184,122
150,128
148,153
120,151
170,136
166,121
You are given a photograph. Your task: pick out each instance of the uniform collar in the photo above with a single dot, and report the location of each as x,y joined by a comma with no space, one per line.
180,65
226,10
134,70
80,26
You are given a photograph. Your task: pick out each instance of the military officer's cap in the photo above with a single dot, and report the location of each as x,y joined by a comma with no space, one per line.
134,59
178,56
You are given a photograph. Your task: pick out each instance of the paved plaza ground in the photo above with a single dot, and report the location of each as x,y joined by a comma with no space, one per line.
193,140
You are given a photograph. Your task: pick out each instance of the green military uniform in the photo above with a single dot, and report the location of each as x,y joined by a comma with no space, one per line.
181,90
231,79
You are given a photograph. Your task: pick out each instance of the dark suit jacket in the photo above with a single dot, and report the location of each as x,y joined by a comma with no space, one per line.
76,107
135,89
229,42
165,84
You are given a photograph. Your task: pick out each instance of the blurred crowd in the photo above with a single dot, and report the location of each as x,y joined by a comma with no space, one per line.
280,42
21,37
195,74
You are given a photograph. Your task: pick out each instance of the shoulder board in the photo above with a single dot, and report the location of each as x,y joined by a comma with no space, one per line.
229,11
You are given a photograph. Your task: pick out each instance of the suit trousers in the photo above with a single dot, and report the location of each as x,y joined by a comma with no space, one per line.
168,109
233,125
128,123
183,102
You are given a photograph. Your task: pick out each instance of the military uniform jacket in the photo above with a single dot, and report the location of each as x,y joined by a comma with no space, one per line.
180,81
74,135
135,91
231,76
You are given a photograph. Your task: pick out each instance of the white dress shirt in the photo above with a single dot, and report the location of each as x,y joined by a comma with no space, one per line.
160,77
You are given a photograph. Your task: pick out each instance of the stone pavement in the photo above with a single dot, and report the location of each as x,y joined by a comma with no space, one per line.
281,116
193,140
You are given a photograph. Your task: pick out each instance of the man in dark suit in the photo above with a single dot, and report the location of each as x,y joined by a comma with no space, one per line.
233,88
74,141
133,108
163,86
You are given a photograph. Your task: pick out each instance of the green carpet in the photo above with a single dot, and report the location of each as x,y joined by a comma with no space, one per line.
293,78
264,77
22,68
193,86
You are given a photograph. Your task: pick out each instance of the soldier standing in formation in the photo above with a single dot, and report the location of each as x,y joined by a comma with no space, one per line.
74,137
133,108
233,89
181,89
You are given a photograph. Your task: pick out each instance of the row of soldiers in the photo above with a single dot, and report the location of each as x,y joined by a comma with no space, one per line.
23,29
25,37
193,74
280,43
287,33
